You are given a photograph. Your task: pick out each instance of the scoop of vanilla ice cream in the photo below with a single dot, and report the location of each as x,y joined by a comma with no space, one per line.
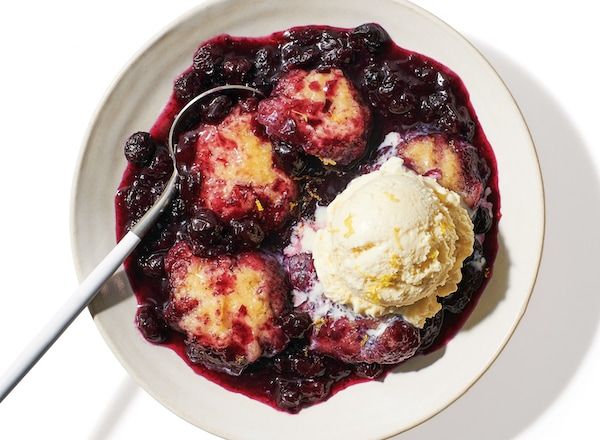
392,242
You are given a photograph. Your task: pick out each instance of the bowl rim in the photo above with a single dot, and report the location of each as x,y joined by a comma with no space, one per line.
154,41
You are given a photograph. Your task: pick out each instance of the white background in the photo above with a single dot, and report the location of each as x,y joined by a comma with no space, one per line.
59,57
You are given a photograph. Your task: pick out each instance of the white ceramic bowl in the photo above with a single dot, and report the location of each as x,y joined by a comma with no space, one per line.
422,386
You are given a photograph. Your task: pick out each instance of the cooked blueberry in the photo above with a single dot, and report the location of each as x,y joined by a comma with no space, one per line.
337,370
217,108
467,126
208,59
456,302
372,76
204,227
405,102
441,81
151,324
189,185
138,200
293,394
391,82
247,232
477,252
289,128
295,324
248,105
327,187
214,359
372,36
139,148
301,271
185,151
482,221
470,283
448,120
314,389
369,371
165,288
290,158
330,41
188,85
178,208
288,394
200,249
236,69
161,165
334,50
389,91
422,69
266,62
152,265
303,36
432,104
431,330
294,55
307,364
165,238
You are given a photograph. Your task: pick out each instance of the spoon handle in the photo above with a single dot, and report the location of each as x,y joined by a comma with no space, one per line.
90,286
67,313
84,294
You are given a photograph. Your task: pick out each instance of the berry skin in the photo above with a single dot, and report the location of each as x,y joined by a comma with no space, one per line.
371,36
296,324
149,321
247,233
470,283
292,394
482,222
300,363
139,148
208,60
189,85
204,227
236,70
153,265
431,330
217,108
368,371
301,270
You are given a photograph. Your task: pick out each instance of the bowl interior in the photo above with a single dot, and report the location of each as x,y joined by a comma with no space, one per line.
419,388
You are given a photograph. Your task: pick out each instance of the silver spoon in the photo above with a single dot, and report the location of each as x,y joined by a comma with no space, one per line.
88,289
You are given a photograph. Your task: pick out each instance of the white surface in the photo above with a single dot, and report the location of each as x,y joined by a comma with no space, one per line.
433,381
535,390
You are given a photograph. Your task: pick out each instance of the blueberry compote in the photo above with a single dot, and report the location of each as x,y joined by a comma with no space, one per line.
405,93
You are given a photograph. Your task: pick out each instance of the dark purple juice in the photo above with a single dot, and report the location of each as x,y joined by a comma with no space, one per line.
406,91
